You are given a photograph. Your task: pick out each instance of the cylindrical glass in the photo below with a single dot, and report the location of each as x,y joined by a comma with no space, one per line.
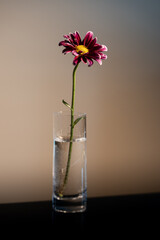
69,162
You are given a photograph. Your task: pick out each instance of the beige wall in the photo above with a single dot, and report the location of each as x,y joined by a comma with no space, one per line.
121,97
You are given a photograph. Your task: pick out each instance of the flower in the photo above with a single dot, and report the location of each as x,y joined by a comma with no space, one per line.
84,50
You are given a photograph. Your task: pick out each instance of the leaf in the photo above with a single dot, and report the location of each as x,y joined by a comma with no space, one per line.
77,120
65,103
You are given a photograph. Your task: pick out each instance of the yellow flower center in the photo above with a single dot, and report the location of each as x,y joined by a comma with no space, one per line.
81,49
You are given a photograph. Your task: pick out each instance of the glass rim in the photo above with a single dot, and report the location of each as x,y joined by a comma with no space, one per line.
68,113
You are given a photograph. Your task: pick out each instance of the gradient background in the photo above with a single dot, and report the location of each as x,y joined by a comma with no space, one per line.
121,97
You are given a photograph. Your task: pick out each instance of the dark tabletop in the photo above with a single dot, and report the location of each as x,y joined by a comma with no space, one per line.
104,214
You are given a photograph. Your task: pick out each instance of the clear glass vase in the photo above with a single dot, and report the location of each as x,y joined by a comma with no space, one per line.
69,163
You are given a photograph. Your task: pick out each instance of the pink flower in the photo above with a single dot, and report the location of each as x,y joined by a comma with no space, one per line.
84,50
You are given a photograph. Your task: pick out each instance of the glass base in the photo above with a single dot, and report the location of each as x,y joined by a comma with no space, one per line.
69,204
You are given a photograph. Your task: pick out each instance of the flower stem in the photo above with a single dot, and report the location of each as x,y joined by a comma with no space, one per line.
71,130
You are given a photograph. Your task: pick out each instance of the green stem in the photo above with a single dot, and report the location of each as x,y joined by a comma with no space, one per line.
71,130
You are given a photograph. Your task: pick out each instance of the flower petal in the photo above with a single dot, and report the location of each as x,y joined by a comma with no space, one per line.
90,62
71,36
97,47
87,38
61,43
76,60
65,44
66,36
67,50
94,55
103,56
78,38
84,59
99,61
92,43
74,52
104,48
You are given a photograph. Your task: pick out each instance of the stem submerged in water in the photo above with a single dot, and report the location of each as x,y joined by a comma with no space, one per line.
71,131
